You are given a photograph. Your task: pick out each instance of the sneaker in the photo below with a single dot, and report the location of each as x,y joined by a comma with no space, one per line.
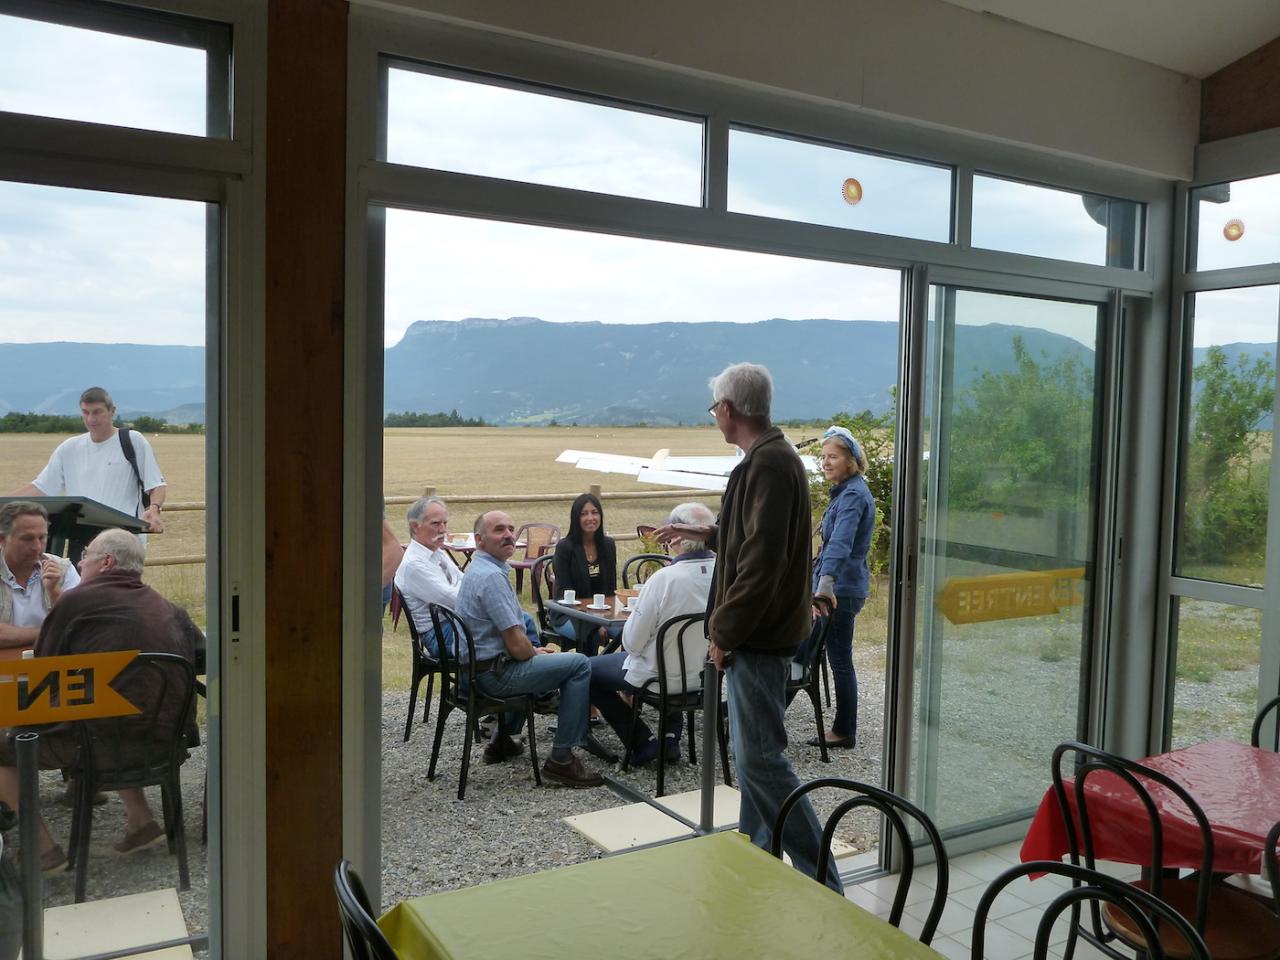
144,836
571,773
502,749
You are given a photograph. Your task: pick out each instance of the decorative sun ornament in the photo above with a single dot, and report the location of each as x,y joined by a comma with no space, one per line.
851,191
1234,230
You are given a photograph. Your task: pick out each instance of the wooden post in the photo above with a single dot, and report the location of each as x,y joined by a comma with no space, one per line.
304,255
595,490
428,491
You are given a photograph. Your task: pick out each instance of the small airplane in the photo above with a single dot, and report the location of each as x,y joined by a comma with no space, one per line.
698,473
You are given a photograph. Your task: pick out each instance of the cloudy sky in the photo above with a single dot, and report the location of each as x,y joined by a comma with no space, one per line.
78,265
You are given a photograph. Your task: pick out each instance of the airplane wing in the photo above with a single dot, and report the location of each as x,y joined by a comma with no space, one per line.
696,473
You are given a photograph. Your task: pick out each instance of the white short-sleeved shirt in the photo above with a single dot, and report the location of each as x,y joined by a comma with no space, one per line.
81,468
28,599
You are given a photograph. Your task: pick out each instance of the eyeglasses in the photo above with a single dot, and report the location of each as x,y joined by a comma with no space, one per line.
712,409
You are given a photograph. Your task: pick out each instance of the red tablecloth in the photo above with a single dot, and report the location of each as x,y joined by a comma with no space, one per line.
1236,785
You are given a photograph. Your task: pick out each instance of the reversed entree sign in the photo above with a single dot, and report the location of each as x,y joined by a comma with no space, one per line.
1007,596
59,689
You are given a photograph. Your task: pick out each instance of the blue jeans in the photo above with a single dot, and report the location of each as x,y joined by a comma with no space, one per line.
757,684
584,636
607,679
840,656
542,673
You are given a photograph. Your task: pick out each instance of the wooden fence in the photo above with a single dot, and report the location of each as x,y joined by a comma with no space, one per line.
674,496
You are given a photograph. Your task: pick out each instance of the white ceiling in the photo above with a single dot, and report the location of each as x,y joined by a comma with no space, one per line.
1194,37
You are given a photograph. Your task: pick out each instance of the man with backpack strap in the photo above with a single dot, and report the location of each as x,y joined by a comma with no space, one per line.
114,466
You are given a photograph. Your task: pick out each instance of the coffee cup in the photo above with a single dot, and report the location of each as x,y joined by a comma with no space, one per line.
597,599
632,602
570,596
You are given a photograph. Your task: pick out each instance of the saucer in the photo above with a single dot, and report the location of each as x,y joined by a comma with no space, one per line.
570,603
603,606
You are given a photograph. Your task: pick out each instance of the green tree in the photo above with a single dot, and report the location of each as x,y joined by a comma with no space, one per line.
1227,482
1023,437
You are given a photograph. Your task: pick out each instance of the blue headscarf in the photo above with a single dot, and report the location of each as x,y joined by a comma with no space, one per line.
845,437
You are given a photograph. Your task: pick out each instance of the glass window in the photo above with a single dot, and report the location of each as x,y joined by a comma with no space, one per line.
788,179
1235,224
1060,224
1006,549
109,290
148,71
1226,466
470,126
1215,693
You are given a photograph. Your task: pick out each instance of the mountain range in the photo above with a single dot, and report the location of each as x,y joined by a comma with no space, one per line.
523,370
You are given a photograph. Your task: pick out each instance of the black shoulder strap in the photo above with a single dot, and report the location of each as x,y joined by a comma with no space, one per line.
126,444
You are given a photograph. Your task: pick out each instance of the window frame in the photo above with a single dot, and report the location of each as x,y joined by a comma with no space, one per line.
220,171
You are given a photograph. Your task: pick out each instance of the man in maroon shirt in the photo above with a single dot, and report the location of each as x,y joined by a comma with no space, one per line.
111,609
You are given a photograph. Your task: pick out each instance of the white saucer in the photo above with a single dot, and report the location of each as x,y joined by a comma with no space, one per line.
569,603
592,606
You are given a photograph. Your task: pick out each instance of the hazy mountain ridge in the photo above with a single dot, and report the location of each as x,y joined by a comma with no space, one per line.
523,370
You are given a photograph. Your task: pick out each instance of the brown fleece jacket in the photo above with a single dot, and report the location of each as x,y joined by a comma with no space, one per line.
760,599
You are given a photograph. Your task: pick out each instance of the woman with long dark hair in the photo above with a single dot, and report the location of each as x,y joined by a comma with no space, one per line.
586,559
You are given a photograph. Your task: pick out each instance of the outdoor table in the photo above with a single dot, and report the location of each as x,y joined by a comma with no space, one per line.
588,620
1237,786
716,896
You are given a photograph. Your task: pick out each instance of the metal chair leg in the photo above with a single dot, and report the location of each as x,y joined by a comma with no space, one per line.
533,744
466,758
693,748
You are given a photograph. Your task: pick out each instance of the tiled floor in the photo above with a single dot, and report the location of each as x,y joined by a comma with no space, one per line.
1014,916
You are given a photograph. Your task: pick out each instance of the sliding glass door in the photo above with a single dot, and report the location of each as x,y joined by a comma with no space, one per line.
1006,550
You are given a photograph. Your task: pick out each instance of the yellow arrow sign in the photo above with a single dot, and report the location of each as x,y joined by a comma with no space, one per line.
57,689
1007,596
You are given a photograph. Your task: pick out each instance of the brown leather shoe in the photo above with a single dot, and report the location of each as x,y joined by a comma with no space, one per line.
571,773
504,748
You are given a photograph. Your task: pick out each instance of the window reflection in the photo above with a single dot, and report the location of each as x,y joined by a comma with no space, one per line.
1061,224
1235,224
774,176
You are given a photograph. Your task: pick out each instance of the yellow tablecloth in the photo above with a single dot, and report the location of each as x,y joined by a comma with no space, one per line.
710,897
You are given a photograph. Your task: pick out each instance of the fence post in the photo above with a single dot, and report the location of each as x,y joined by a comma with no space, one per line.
595,490
428,491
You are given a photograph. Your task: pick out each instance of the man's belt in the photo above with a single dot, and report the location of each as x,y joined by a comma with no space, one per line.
484,666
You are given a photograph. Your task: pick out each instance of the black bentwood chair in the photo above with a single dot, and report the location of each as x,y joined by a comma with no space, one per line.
363,936
666,696
1165,931
810,678
641,567
467,697
424,665
1255,737
1233,925
139,750
542,584
895,810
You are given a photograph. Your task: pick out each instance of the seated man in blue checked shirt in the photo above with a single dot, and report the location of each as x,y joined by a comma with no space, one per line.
508,665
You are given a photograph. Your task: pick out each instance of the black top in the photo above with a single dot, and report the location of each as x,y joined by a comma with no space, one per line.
572,572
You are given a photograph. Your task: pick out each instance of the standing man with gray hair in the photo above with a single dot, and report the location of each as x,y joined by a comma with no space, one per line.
111,610
31,581
115,467
759,610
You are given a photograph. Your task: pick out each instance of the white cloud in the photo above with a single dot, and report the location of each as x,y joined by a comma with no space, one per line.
447,268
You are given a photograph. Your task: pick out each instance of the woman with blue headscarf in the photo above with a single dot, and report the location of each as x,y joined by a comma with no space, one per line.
841,577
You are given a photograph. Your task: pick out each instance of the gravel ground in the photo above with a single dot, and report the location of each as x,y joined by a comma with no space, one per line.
507,826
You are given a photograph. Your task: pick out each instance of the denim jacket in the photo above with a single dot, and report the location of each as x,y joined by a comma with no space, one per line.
846,538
